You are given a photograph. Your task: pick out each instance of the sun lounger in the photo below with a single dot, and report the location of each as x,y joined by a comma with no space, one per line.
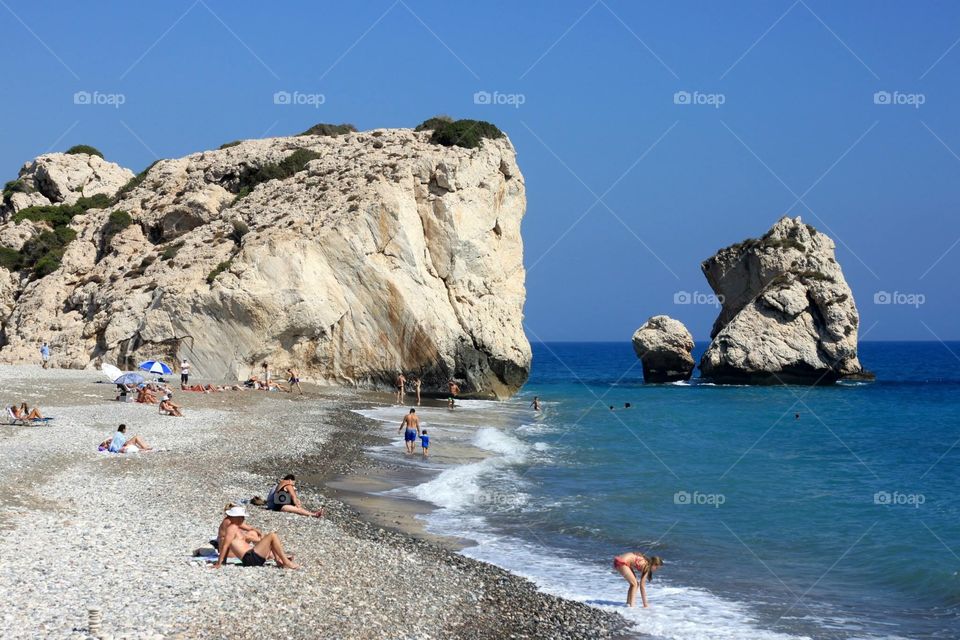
14,419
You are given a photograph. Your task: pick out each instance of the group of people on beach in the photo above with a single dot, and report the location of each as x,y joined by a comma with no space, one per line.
237,539
416,383
267,383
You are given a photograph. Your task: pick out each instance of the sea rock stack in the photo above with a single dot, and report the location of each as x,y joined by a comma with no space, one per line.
347,257
664,346
788,315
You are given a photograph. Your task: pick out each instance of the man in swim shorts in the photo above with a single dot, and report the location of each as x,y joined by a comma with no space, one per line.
232,541
410,425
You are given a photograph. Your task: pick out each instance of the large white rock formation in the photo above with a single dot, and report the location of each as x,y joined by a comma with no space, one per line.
386,253
788,314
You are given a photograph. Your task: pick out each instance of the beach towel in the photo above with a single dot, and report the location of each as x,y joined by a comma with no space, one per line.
209,555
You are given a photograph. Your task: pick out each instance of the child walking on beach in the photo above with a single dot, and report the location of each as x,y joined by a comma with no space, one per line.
425,443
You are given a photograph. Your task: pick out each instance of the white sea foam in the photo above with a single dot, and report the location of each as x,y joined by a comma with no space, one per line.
676,612
461,487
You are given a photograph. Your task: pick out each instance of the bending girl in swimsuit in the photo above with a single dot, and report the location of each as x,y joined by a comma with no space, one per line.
627,564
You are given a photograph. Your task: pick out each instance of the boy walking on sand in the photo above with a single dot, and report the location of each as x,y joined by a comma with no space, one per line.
425,443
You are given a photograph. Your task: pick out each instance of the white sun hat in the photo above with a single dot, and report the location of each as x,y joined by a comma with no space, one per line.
237,511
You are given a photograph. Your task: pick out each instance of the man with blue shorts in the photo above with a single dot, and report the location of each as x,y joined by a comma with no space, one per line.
410,425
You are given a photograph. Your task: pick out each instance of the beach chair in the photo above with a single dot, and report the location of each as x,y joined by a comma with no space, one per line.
14,419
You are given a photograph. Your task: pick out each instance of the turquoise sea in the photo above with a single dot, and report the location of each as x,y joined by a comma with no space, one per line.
781,512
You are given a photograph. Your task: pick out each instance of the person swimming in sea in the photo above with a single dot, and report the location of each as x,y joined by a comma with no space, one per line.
628,564
536,403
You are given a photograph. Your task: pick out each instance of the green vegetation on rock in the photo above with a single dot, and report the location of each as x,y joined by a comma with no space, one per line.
286,168
432,124
227,145
170,252
41,254
240,229
220,268
60,214
324,129
134,182
463,133
117,222
84,148
10,259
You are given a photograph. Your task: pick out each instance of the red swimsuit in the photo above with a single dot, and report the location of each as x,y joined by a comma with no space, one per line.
638,563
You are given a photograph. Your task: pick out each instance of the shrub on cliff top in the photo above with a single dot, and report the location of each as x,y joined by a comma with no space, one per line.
324,129
432,124
464,133
84,148
227,145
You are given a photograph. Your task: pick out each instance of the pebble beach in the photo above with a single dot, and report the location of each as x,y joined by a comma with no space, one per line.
82,530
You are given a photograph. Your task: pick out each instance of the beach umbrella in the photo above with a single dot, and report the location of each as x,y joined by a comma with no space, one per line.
129,378
111,371
157,367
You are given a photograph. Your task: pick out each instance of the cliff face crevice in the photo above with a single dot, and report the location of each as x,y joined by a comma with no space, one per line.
369,260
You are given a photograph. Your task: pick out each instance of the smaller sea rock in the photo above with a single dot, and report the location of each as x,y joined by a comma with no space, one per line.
664,345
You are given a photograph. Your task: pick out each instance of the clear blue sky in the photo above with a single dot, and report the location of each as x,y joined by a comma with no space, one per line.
798,132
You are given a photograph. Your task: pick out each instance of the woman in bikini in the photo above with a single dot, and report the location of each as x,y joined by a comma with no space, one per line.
629,563
26,413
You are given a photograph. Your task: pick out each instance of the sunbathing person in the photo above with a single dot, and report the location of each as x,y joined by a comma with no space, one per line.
145,396
121,444
26,413
231,541
251,535
283,497
168,407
